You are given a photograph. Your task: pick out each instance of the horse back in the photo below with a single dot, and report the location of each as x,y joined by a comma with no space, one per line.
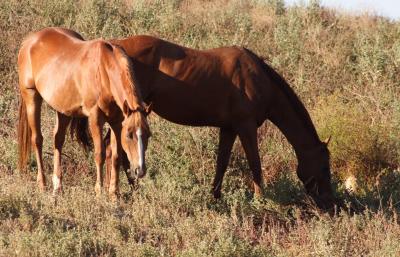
62,67
181,81
181,62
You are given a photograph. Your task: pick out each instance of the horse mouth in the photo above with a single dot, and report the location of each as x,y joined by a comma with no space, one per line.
137,172
325,202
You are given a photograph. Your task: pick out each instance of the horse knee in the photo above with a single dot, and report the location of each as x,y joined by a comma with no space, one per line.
114,158
99,157
108,152
58,140
37,140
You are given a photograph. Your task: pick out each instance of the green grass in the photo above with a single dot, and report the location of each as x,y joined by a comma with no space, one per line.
344,68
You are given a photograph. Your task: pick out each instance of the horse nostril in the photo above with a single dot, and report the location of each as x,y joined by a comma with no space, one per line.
141,172
138,172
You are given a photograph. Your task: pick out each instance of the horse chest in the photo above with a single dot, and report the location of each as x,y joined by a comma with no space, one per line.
110,109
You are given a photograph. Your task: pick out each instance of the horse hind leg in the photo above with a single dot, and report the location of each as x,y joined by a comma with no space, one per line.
96,123
226,139
33,103
107,143
60,129
248,137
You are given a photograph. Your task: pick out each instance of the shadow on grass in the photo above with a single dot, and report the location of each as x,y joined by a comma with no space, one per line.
286,198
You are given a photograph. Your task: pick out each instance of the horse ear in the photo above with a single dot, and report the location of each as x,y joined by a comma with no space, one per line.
125,108
326,141
148,108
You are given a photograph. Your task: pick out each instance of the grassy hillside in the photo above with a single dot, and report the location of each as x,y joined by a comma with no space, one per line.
344,68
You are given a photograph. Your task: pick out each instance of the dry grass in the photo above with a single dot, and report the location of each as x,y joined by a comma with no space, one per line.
346,70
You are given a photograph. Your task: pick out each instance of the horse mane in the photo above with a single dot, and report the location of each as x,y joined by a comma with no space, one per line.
293,99
128,69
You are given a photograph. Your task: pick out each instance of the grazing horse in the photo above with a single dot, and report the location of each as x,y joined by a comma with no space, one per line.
235,90
82,81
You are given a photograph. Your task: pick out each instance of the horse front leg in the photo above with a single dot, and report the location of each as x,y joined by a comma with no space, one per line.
116,154
96,123
226,139
248,137
123,160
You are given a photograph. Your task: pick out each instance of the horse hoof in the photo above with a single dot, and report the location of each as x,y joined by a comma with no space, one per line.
258,195
41,184
54,199
57,192
258,192
114,197
217,194
98,190
42,188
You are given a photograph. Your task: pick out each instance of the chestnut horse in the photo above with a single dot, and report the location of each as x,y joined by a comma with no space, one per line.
235,90
80,79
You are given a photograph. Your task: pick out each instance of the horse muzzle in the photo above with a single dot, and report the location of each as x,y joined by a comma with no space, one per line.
325,202
138,172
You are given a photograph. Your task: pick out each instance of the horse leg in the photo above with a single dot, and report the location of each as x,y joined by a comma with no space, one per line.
116,149
123,159
107,143
33,102
60,129
96,123
248,136
125,166
226,139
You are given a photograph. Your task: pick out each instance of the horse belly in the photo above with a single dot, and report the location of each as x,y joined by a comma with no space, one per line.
191,113
62,97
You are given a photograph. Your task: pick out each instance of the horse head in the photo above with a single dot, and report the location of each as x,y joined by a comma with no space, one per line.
134,138
314,171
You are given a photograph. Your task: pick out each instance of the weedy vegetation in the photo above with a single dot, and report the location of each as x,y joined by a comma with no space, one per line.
344,67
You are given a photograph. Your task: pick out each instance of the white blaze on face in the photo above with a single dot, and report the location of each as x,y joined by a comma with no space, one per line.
140,147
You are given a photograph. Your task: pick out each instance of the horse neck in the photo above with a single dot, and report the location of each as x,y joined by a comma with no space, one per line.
124,88
288,113
133,98
291,117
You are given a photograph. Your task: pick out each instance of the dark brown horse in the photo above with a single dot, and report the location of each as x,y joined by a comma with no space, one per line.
80,79
233,89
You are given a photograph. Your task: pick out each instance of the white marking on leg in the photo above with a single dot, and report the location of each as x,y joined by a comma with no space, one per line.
140,146
56,183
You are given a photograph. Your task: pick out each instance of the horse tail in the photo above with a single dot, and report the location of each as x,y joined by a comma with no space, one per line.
24,137
79,130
